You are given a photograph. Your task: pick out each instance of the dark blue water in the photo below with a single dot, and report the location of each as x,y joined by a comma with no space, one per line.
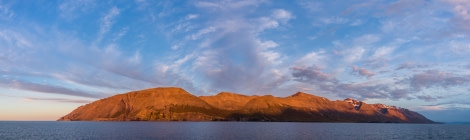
228,130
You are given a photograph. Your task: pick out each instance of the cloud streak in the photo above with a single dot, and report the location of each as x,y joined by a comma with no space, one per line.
51,89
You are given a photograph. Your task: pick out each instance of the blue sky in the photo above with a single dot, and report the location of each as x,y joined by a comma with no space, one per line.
58,55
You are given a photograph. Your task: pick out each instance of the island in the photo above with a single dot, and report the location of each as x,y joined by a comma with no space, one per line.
176,104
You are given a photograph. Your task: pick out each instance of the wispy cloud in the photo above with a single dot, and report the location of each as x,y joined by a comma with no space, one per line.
363,72
73,9
107,22
202,32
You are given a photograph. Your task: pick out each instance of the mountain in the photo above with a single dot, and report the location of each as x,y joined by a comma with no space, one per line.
176,104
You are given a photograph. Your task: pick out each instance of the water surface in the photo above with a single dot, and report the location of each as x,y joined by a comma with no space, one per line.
229,130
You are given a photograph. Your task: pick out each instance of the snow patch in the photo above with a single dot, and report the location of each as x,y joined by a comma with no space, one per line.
356,103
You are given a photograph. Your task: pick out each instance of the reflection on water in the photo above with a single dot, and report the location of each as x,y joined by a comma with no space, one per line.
228,130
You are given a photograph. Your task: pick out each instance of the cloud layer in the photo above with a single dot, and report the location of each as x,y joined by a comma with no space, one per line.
411,52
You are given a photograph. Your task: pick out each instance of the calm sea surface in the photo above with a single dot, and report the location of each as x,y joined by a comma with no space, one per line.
228,130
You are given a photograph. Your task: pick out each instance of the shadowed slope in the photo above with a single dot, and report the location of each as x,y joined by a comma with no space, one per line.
227,100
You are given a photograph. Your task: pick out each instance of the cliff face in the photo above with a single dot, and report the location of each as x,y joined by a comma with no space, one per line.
175,104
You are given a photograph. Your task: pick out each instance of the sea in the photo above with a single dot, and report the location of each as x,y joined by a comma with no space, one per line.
38,130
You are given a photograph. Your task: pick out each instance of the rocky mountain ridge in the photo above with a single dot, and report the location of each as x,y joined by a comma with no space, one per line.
175,104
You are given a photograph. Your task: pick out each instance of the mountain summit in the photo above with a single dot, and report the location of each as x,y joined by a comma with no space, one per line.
176,104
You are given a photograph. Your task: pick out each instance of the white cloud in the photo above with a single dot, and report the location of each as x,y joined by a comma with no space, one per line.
353,55
315,58
282,15
267,44
270,56
266,23
459,47
208,63
175,47
202,32
382,52
191,16
358,48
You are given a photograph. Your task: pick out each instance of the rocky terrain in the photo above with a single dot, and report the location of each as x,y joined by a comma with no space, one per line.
175,104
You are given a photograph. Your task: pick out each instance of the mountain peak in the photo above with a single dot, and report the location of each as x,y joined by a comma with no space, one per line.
164,90
300,94
167,89
229,94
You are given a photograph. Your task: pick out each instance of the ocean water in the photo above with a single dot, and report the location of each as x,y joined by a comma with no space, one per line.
228,130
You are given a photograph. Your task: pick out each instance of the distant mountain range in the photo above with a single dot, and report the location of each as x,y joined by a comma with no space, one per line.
176,104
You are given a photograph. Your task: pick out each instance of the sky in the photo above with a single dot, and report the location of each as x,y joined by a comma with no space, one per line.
58,55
